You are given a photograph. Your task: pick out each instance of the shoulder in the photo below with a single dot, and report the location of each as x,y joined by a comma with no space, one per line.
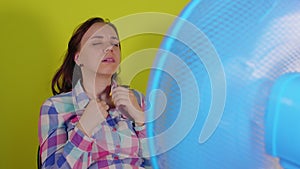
58,103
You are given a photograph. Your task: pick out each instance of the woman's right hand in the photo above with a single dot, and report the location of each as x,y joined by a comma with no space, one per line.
95,113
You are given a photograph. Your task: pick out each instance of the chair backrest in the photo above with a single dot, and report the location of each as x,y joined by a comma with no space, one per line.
39,163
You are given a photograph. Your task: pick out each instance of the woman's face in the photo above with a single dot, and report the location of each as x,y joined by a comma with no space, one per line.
100,51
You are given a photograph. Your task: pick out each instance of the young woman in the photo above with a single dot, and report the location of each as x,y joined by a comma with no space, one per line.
91,121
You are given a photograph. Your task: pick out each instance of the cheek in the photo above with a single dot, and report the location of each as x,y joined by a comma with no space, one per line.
91,56
118,57
118,60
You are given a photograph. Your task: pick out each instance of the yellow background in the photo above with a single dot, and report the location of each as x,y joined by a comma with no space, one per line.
34,37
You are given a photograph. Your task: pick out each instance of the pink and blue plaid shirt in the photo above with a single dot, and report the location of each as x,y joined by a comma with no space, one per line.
115,144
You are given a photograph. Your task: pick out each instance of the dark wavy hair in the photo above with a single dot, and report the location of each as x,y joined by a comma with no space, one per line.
69,73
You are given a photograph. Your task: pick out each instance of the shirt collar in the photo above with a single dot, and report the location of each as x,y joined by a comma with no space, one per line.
80,98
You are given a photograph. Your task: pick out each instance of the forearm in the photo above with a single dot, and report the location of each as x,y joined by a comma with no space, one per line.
143,145
88,126
92,117
72,152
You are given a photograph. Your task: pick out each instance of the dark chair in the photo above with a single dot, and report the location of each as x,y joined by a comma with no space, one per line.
39,163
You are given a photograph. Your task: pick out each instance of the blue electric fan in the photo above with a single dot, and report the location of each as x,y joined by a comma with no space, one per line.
225,93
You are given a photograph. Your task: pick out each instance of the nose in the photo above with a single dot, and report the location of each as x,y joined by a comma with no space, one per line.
108,49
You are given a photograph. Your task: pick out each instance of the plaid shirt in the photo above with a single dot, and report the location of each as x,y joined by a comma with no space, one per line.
115,143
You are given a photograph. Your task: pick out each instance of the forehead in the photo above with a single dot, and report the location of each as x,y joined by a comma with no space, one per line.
102,29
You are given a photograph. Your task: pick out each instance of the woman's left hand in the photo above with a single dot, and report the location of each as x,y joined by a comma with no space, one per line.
125,99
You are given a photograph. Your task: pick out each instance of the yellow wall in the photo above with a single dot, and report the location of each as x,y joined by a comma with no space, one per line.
34,36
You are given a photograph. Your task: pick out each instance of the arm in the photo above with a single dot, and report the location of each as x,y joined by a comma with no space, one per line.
141,131
61,148
133,102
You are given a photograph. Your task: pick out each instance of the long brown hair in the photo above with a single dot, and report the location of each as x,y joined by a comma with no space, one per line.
65,77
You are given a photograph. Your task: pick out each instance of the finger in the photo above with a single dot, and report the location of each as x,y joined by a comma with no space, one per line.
103,106
102,103
126,102
123,92
120,89
122,102
117,96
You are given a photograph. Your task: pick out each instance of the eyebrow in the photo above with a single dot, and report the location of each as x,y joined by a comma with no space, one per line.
101,37
114,37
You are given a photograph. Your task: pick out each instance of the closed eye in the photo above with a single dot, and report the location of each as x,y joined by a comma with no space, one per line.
97,43
116,44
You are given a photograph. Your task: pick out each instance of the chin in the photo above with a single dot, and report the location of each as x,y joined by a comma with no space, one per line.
106,73
107,70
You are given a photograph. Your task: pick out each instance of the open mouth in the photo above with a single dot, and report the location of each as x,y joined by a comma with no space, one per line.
108,60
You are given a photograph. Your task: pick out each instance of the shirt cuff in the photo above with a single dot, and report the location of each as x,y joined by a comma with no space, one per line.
139,128
80,140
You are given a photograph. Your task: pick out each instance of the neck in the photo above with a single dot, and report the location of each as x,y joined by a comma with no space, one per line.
95,84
